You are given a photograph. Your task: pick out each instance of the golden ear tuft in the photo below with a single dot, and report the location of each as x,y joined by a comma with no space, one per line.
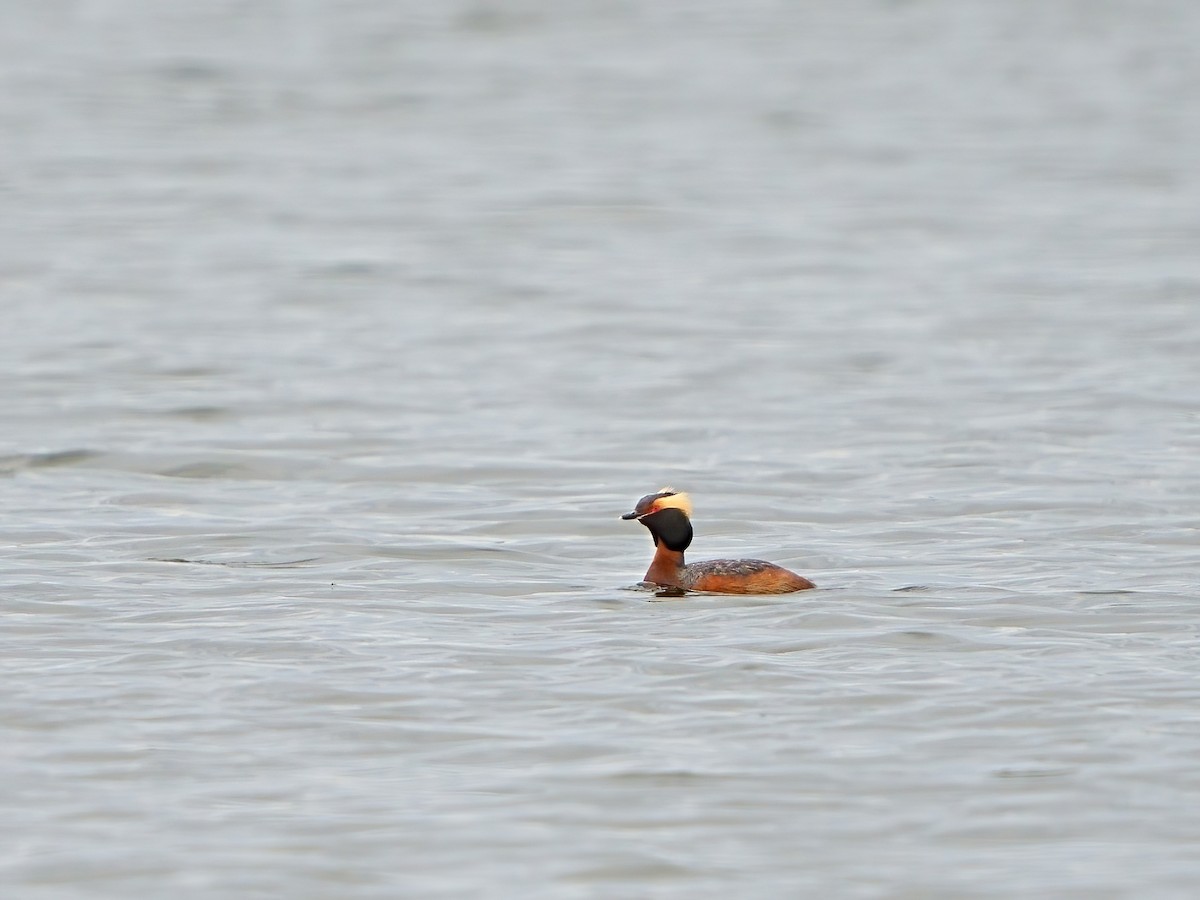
676,500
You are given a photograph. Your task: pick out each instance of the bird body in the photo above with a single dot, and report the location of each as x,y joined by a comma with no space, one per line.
667,515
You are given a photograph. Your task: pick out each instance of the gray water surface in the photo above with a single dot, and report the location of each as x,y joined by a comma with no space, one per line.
337,336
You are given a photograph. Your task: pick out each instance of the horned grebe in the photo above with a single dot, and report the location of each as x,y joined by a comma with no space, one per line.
668,516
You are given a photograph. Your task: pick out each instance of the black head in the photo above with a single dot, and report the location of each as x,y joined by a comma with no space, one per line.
666,498
667,516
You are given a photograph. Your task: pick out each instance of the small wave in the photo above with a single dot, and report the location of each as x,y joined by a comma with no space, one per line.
21,461
238,563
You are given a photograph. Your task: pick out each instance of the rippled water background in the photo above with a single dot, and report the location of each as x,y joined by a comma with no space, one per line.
336,337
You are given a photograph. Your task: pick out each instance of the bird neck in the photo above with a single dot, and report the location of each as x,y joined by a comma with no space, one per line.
665,567
672,533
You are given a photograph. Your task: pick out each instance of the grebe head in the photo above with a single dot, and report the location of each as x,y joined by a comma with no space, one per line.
667,514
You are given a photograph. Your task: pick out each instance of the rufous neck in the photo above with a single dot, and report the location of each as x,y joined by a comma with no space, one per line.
665,567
